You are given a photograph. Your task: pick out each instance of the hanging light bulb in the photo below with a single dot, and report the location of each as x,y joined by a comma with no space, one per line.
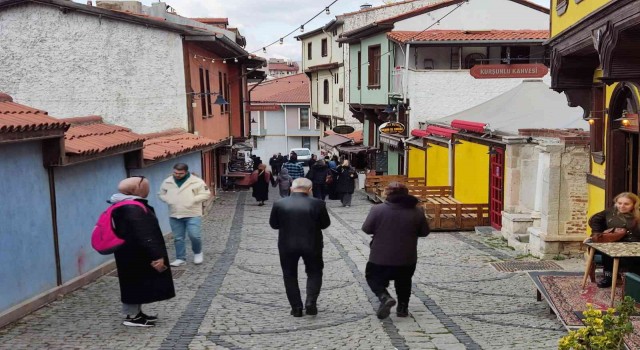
203,59
264,49
195,56
281,41
327,11
213,60
302,28
235,60
224,61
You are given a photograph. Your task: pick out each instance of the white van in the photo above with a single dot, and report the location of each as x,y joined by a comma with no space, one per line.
304,154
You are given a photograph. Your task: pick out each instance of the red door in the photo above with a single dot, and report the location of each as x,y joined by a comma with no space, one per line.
496,188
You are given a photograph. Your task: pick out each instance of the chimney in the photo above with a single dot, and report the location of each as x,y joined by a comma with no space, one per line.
89,3
365,6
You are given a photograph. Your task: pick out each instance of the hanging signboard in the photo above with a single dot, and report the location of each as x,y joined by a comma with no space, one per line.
391,128
502,71
343,129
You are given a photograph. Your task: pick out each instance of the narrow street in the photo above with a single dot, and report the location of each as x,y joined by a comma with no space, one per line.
236,300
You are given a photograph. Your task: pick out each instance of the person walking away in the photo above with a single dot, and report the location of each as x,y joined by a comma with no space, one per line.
185,193
345,183
284,182
313,160
295,169
279,161
142,261
300,220
395,227
319,174
624,219
260,180
273,162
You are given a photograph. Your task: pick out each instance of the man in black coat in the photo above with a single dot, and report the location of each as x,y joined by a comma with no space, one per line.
395,226
299,220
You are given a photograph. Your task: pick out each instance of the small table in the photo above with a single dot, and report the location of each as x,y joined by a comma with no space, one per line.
616,250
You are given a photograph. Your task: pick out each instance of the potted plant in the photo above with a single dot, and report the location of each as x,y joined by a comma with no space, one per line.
603,330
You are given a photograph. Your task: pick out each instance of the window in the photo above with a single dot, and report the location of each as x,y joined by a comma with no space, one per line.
359,68
473,59
226,94
306,142
220,90
317,123
335,32
598,114
339,44
309,56
325,91
561,7
341,94
324,49
335,78
203,100
374,66
304,118
209,105
517,54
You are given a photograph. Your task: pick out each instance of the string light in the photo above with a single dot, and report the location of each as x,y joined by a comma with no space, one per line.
224,61
235,60
281,41
264,49
195,56
327,11
302,28
213,60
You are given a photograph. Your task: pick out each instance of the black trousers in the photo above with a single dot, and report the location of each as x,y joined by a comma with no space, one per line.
378,277
626,264
313,267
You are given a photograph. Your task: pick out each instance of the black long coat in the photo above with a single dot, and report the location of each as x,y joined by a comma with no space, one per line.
140,283
346,177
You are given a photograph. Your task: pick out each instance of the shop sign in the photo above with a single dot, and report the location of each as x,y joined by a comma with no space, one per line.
502,71
343,129
391,128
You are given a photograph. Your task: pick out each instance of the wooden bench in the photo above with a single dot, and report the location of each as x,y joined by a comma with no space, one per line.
447,213
423,192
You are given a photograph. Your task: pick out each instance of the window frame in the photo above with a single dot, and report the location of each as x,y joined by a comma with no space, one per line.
359,69
203,98
374,69
325,91
300,118
324,47
309,50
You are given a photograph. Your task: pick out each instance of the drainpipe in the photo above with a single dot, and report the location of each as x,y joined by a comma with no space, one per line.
286,127
54,223
405,78
450,143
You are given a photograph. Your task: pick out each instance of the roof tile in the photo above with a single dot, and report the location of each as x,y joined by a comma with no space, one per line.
89,135
468,35
160,147
290,89
16,118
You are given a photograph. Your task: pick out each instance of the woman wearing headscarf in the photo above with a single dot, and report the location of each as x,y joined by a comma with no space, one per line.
284,182
142,261
260,180
345,185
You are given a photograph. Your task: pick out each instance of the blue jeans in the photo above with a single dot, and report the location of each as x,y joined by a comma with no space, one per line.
190,226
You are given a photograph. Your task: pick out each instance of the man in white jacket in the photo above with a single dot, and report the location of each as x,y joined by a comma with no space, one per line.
185,194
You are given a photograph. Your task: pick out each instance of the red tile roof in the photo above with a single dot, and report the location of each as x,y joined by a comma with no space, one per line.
90,136
468,35
283,67
158,146
16,118
293,89
356,136
209,20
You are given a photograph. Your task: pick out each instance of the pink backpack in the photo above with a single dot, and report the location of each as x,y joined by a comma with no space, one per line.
103,238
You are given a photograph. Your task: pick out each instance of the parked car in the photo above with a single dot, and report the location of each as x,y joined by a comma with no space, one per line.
304,154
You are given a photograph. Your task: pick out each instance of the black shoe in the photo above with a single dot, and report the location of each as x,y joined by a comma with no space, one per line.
402,310
137,321
151,318
311,309
296,312
386,303
604,282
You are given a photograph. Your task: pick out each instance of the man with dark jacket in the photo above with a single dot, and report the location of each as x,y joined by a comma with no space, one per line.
299,220
318,174
395,227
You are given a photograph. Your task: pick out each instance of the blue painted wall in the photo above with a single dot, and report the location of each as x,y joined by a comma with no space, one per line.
81,193
27,259
160,171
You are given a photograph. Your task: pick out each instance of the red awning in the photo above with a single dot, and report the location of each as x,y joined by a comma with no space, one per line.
440,131
419,133
469,126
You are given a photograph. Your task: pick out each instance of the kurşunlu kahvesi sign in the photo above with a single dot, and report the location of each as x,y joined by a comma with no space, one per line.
391,128
343,129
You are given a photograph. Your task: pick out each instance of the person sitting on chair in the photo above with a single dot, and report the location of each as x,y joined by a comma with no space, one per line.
622,218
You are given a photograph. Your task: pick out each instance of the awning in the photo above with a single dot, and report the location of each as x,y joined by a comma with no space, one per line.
356,149
391,140
335,140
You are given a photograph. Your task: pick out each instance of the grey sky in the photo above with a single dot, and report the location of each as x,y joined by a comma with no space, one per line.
263,22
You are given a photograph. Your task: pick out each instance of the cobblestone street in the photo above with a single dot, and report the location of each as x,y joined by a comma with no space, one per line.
236,299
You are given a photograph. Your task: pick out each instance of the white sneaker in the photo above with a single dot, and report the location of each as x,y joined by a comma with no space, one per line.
197,259
178,262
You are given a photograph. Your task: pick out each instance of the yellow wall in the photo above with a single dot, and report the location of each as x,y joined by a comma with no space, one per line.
416,164
471,182
573,14
437,165
596,202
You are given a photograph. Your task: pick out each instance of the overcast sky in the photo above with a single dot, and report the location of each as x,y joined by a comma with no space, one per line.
265,21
